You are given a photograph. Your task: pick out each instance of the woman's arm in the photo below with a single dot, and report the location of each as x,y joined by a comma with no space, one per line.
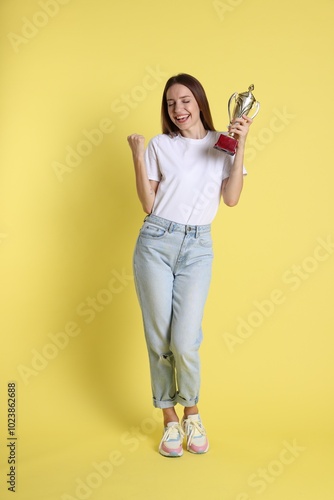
232,186
146,189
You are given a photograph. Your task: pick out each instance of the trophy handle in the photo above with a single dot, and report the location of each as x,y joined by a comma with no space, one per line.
256,111
229,105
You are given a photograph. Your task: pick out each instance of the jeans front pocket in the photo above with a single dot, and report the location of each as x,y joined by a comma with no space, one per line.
150,230
205,240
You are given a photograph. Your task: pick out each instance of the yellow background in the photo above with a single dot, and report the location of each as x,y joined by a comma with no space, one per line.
67,238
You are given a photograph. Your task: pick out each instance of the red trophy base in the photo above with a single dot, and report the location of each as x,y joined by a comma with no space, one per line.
227,143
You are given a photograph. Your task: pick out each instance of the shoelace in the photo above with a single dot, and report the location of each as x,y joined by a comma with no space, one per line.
172,432
191,428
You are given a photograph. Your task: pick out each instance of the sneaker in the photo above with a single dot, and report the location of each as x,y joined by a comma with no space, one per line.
171,442
197,441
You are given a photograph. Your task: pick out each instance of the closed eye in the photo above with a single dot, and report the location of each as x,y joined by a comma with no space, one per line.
170,104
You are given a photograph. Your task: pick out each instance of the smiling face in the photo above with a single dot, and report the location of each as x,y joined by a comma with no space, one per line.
184,111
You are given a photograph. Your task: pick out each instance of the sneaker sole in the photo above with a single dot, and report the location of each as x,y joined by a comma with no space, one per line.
170,455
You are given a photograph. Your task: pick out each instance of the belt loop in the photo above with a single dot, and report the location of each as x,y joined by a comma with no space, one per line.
196,233
171,227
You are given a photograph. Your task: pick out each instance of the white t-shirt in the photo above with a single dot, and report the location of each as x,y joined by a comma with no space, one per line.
190,174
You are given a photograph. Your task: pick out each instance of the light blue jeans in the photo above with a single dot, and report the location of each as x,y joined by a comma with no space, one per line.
172,269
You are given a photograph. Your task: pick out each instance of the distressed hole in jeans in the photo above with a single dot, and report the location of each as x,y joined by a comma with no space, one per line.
167,357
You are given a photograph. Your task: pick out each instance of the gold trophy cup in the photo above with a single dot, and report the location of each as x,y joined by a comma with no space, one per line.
243,104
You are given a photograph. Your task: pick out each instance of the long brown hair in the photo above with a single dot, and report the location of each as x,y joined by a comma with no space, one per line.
168,127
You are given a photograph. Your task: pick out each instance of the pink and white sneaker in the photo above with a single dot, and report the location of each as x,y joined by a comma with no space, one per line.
171,442
197,441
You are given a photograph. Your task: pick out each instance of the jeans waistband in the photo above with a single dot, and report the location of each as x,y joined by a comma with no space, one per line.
175,226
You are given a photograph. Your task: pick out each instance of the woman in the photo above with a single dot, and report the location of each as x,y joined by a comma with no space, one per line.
180,179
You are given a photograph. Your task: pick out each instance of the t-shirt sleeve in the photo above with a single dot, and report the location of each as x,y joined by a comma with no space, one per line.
152,162
227,166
